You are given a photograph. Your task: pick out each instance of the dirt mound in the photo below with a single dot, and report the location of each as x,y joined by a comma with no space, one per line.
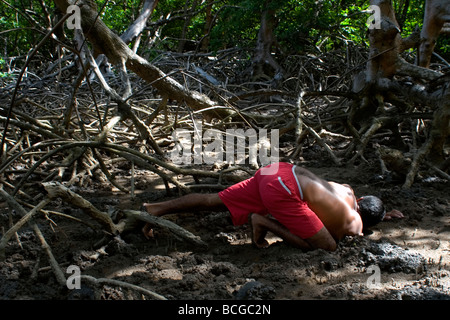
392,258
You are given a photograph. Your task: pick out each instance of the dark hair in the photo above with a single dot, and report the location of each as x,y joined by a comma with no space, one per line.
371,210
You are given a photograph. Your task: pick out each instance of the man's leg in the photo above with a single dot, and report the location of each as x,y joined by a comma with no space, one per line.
193,201
261,224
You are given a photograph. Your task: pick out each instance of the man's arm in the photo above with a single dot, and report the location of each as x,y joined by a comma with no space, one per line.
321,240
354,225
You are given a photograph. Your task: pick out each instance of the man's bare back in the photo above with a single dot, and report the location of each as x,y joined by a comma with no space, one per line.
335,204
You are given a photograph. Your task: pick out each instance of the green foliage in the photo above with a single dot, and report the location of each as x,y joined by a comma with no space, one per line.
15,42
3,74
353,25
118,14
302,25
236,25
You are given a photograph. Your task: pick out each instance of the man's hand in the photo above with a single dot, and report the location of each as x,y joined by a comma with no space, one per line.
393,214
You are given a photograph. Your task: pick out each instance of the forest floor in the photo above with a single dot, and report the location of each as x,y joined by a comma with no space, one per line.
399,260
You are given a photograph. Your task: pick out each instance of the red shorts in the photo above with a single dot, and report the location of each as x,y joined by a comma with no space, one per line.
277,192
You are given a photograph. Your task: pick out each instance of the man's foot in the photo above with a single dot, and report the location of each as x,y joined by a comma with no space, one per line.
147,229
258,234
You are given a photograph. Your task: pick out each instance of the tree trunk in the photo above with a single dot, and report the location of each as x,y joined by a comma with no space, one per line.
208,26
187,22
437,13
386,45
139,24
263,52
440,127
378,84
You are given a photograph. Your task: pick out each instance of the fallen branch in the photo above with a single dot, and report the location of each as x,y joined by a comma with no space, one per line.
118,283
323,144
59,274
57,190
166,224
8,234
377,123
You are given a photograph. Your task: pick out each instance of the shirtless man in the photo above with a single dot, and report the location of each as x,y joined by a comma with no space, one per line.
306,211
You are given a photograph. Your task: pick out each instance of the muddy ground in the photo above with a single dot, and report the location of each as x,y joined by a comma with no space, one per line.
411,255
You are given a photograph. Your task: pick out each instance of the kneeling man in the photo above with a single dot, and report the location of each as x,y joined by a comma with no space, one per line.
291,202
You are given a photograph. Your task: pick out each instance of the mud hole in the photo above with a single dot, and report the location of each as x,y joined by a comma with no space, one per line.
399,260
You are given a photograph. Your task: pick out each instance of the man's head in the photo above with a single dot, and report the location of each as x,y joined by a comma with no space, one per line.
371,210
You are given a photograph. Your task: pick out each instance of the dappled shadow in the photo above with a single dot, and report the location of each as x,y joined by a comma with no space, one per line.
179,270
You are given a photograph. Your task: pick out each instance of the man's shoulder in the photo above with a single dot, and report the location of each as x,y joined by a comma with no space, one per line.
354,224
317,190
311,179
